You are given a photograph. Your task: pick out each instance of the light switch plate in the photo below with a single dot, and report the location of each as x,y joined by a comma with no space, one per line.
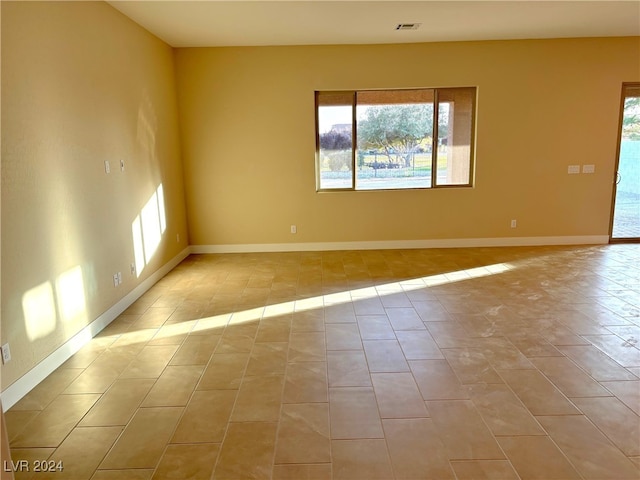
588,168
573,169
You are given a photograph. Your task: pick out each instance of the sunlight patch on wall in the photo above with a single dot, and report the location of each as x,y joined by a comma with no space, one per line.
147,229
138,249
71,296
39,308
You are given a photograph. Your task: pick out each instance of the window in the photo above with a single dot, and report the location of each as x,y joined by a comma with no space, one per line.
395,139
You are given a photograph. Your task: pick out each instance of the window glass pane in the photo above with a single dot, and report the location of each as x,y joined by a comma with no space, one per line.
394,133
335,131
455,132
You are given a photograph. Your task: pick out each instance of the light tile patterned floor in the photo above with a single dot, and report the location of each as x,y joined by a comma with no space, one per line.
437,364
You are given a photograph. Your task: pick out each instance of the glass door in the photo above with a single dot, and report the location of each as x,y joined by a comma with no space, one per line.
626,206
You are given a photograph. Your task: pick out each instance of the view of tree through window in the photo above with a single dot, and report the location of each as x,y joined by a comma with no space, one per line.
397,144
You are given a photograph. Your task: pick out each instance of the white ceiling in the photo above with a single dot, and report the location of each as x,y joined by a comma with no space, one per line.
264,22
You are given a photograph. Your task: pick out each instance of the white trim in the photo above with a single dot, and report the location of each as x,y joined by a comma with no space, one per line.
33,377
403,244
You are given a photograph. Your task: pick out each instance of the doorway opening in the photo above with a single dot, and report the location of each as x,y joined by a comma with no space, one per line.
625,222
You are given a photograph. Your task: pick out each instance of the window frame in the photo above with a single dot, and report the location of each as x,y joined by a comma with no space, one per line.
434,140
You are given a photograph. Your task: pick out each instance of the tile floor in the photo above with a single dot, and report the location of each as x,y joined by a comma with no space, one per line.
415,364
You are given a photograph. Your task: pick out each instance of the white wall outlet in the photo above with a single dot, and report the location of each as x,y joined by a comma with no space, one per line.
133,268
294,229
573,169
107,167
6,353
122,165
588,168
115,280
119,278
514,223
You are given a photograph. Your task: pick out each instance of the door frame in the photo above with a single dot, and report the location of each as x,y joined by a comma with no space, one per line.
617,165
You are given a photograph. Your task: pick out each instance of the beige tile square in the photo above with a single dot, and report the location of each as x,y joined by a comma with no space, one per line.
408,440
306,382
628,392
224,372
156,315
144,439
398,396
368,306
430,310
126,474
537,393
343,336
364,459
591,453
596,363
16,420
206,417
195,350
320,471
104,370
436,380
450,334
463,431
187,462
348,369
471,366
625,353
174,387
375,327
307,347
53,424
274,329
259,399
119,403
569,378
150,363
303,434
418,345
24,459
404,318
354,413
615,420
247,440
267,359
172,333
484,470
502,411
385,356
537,458
81,452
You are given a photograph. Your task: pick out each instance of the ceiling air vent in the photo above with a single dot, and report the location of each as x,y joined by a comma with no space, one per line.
408,26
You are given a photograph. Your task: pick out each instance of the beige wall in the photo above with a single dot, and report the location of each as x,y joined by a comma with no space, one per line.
247,118
81,84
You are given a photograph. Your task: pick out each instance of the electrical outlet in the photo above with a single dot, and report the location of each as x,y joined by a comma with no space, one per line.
294,229
122,165
133,268
573,169
514,223
107,167
6,353
115,280
588,168
119,278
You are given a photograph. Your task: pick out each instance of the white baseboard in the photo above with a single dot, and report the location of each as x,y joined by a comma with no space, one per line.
403,244
33,377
